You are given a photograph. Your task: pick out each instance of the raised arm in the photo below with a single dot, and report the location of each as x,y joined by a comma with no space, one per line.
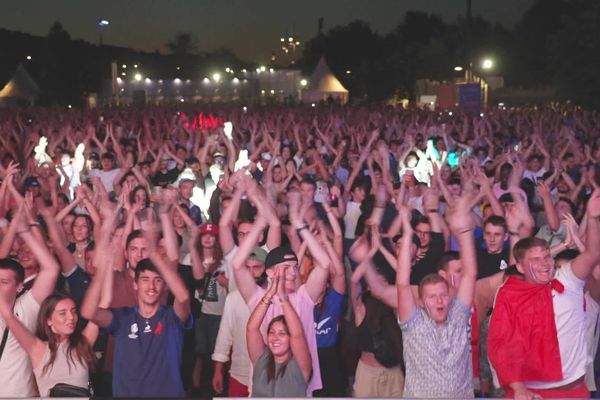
102,282
338,276
243,277
59,244
366,269
551,214
266,209
167,201
317,280
45,281
226,222
585,262
254,338
33,346
11,233
298,343
168,271
406,301
462,225
68,208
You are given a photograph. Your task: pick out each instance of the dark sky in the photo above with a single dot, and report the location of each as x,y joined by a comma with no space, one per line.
251,28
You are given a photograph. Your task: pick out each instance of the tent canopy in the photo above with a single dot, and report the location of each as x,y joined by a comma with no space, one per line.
20,86
323,85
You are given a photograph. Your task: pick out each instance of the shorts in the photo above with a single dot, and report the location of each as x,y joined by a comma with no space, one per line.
206,329
378,382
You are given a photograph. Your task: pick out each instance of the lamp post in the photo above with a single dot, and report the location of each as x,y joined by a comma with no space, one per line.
103,23
289,46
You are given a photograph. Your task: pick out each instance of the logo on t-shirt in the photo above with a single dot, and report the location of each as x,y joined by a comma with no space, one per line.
503,265
134,331
319,325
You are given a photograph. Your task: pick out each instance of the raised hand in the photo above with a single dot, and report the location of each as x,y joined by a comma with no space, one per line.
272,289
593,205
459,216
281,291
11,170
293,198
166,200
543,190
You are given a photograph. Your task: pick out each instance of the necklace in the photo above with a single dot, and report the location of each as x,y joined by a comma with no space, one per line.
80,250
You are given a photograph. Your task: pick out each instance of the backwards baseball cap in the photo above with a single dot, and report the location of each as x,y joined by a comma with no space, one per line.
258,254
211,229
31,181
506,198
278,255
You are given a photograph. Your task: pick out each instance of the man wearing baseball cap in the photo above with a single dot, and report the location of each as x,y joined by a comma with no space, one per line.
232,335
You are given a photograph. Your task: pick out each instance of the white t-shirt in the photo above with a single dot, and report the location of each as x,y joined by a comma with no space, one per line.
107,177
351,217
534,176
232,338
16,373
593,335
570,317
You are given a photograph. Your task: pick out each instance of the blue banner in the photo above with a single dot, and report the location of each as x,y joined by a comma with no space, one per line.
469,96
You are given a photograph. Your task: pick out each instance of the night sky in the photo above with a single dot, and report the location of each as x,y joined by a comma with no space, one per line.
251,28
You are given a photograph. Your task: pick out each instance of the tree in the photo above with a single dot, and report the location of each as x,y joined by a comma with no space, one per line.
61,65
183,44
574,55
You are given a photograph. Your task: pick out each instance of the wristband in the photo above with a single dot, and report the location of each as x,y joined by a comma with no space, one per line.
303,227
266,301
513,233
432,210
34,224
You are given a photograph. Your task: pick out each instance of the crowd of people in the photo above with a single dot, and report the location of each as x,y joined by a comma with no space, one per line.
280,251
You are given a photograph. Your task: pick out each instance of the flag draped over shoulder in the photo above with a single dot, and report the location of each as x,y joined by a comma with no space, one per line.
522,341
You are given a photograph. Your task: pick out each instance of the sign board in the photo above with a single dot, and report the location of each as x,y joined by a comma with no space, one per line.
469,96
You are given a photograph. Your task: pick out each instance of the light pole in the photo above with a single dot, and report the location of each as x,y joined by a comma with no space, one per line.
103,23
288,47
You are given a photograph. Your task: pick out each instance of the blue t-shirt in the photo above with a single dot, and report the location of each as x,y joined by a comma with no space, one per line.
148,352
327,317
196,214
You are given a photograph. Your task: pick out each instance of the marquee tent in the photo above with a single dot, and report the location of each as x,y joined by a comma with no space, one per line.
323,85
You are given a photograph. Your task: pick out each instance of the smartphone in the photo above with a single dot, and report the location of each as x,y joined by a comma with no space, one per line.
333,199
321,193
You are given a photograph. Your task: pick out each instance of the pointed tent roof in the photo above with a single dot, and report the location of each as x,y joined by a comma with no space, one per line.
21,85
323,80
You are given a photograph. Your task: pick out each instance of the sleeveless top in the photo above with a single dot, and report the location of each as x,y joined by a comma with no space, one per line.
64,370
290,384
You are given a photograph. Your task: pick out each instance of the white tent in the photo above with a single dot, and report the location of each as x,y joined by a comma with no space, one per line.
21,87
323,85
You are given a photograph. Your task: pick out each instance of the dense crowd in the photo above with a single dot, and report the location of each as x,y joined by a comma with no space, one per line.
299,251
